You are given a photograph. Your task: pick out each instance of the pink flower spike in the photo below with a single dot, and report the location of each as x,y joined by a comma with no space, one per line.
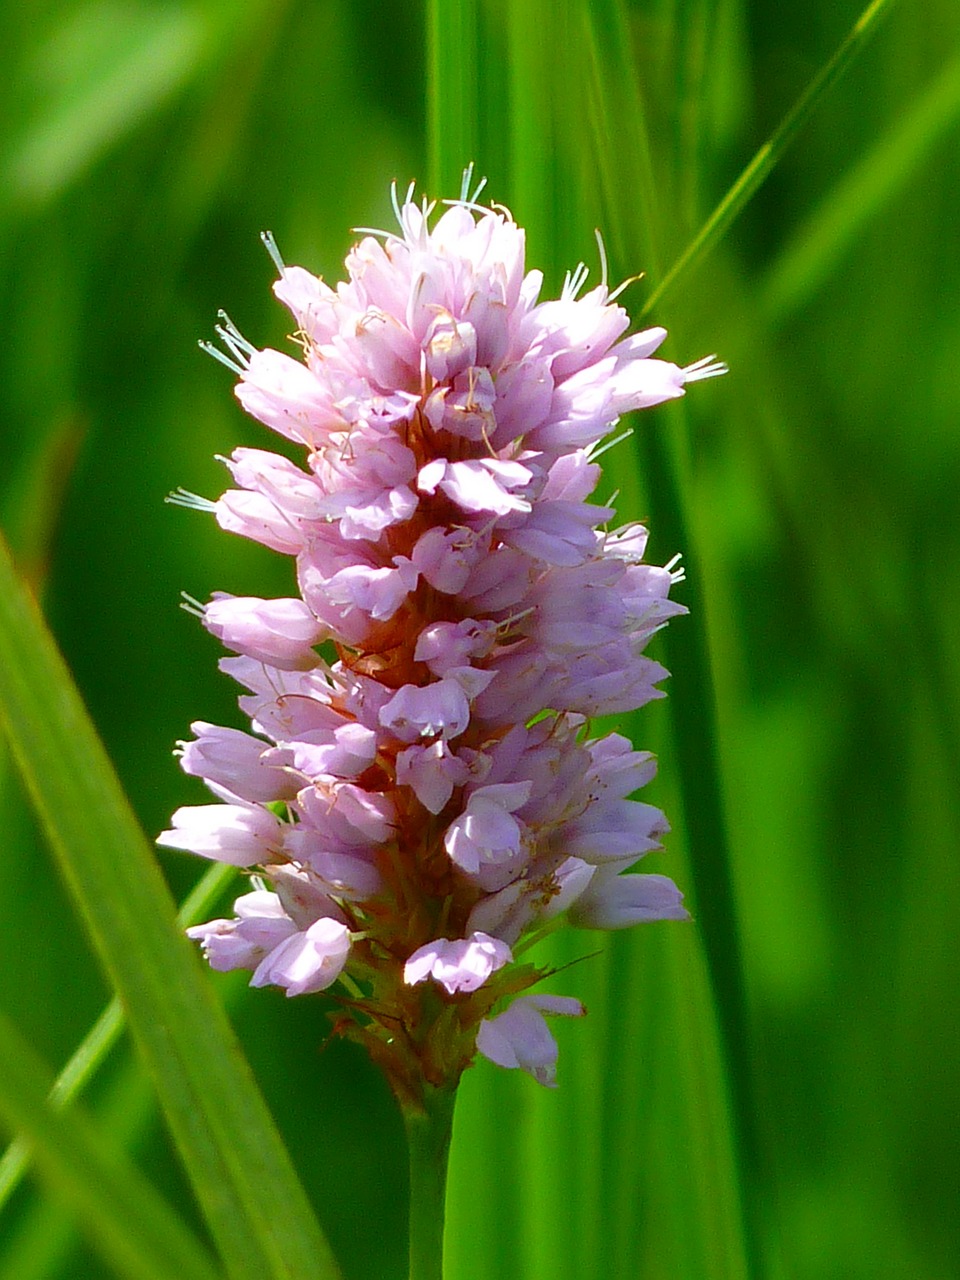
520,1037
463,965
419,758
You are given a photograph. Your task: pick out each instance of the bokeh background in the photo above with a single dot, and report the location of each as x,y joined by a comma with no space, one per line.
775,1090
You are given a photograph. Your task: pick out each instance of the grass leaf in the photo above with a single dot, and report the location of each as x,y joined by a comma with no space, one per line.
243,1179
814,251
130,1223
102,1036
766,159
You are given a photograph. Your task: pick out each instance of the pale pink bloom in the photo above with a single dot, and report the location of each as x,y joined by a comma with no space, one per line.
307,961
432,772
261,925
281,633
239,834
441,708
346,751
237,764
445,646
287,397
461,965
256,517
446,557
619,901
296,493
486,833
520,1037
378,592
344,817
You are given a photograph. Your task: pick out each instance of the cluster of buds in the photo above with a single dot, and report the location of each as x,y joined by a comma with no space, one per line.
420,794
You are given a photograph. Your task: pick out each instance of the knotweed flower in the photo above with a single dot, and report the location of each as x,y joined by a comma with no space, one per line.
420,791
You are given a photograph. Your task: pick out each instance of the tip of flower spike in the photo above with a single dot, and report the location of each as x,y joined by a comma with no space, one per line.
708,367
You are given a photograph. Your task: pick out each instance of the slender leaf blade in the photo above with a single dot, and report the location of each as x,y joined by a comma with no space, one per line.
452,102
256,1207
95,1047
832,229
768,156
135,1229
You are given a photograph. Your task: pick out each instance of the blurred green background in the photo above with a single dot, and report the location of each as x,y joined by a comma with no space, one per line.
144,146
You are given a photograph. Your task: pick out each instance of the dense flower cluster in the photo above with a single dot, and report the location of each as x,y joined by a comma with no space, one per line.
422,792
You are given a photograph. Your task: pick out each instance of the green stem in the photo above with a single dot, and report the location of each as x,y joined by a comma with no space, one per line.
428,1137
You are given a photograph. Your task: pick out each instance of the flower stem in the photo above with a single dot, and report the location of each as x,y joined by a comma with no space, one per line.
428,1137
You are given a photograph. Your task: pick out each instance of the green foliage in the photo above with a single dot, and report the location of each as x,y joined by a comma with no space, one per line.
250,1197
765,1092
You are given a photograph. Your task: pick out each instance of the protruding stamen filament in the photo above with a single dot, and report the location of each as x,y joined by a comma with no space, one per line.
708,367
271,247
192,501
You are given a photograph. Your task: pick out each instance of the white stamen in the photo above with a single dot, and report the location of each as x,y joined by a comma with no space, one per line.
209,349
192,501
708,367
231,337
378,232
466,199
626,285
395,202
472,206
271,247
677,574
603,256
572,284
595,451
191,605
506,623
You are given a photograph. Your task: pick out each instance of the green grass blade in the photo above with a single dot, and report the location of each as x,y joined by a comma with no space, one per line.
100,72
766,159
452,102
663,464
835,225
130,1223
616,110
103,1035
243,1179
517,1213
